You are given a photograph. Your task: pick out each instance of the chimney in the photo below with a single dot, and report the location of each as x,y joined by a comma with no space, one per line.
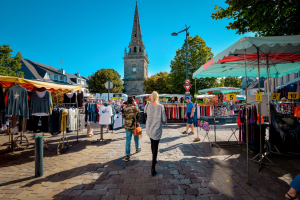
62,71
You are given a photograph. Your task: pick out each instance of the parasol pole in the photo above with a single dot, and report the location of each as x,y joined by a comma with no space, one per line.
248,177
268,88
259,111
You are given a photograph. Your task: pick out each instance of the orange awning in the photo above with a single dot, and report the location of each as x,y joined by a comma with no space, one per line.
7,81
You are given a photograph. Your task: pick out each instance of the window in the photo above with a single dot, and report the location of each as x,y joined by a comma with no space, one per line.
281,81
287,78
61,78
55,77
140,49
134,49
296,75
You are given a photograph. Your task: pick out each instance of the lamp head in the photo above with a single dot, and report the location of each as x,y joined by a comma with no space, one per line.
174,34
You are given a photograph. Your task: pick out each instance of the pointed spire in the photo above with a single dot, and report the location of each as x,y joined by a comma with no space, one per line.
136,35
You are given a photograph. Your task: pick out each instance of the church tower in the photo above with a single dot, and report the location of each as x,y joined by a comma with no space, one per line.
135,60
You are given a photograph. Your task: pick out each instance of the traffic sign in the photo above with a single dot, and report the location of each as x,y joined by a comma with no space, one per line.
110,85
293,95
187,87
231,97
275,96
187,81
258,96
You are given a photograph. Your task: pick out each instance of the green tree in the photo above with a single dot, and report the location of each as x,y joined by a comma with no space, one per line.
9,64
233,82
158,83
97,81
230,82
198,55
263,17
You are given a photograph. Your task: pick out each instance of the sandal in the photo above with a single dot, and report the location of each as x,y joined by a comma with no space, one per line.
291,198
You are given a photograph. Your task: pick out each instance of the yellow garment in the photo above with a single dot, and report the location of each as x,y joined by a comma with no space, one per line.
63,126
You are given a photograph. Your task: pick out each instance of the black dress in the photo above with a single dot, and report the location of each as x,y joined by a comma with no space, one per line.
73,99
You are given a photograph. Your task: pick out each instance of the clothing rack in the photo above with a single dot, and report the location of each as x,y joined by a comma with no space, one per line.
63,138
101,133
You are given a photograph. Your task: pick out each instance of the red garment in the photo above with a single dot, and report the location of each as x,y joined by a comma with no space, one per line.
5,98
185,113
167,112
201,110
208,112
174,113
137,100
239,124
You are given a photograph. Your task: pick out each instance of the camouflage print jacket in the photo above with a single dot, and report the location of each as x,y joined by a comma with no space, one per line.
129,117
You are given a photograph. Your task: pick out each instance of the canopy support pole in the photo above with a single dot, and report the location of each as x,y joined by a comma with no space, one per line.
248,176
260,154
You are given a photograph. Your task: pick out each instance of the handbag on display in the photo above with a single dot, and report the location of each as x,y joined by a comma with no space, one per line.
137,129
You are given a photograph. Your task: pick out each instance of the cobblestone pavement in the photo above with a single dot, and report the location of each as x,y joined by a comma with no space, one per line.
186,170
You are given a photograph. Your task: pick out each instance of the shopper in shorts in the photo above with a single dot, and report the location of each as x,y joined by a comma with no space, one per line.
189,113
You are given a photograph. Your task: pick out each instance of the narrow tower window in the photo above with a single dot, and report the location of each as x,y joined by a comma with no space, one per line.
134,49
140,49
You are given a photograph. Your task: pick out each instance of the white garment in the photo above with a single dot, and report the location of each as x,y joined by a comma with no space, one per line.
118,121
73,122
105,113
70,95
82,121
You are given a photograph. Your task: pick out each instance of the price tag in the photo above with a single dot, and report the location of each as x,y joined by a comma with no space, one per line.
258,97
275,96
231,97
293,95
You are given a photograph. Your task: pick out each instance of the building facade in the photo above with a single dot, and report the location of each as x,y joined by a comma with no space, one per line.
135,60
77,79
41,72
275,82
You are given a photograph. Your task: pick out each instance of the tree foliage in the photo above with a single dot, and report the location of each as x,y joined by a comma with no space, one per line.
158,82
263,17
198,54
9,64
97,81
230,82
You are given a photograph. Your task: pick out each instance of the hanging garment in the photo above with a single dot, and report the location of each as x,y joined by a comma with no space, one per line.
2,104
282,92
80,99
243,124
105,113
41,103
252,124
63,126
290,88
178,112
298,87
198,112
111,126
17,102
70,98
239,125
73,122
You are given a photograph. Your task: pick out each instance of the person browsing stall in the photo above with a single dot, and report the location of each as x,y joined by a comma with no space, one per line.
156,116
129,122
189,113
295,186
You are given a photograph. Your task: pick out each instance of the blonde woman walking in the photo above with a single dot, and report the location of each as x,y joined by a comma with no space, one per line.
156,116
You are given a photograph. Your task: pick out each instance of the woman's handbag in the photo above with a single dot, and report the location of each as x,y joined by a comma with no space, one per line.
137,128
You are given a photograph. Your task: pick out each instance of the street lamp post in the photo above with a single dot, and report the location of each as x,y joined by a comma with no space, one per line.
186,42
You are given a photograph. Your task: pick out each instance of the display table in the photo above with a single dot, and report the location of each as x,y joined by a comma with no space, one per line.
220,120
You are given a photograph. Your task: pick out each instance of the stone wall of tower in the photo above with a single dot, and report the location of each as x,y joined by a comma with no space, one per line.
134,87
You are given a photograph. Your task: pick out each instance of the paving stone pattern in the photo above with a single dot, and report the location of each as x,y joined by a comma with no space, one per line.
186,170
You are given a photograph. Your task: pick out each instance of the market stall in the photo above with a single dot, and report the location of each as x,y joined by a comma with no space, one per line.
277,55
29,104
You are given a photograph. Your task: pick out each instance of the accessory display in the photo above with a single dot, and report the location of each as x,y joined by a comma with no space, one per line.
137,128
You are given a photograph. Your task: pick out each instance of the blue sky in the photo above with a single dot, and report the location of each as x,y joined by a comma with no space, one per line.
92,34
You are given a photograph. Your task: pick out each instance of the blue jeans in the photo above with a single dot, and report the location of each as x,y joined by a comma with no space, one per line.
295,184
128,141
